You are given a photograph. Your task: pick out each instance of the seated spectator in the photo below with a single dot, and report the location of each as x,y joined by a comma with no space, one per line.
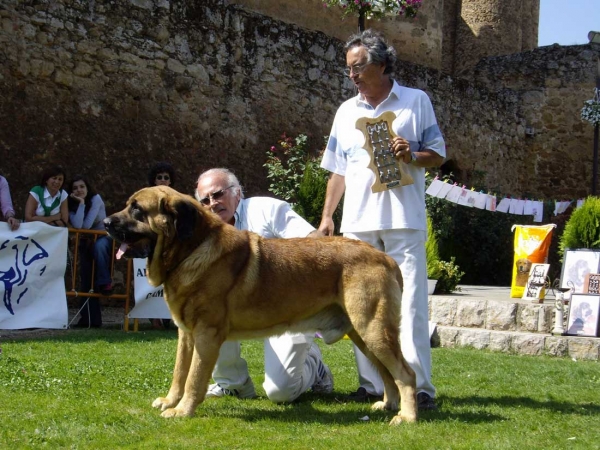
161,174
6,205
46,202
87,211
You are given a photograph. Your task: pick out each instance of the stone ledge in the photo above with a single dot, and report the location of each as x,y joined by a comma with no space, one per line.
518,342
493,315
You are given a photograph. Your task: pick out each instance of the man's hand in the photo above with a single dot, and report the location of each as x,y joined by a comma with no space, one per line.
326,227
401,149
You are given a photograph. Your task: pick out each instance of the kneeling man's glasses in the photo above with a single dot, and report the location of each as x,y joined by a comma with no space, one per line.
214,196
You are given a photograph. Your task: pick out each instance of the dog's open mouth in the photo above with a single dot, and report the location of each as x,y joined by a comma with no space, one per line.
139,249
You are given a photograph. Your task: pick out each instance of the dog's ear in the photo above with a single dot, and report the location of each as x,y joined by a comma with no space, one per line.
185,219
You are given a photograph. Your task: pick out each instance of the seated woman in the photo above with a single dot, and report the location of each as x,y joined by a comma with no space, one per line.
6,205
161,174
46,202
87,211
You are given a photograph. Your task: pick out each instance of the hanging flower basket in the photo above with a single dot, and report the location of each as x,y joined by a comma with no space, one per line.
591,110
376,9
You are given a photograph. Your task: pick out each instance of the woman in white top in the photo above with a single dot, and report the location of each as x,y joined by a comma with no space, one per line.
87,211
46,202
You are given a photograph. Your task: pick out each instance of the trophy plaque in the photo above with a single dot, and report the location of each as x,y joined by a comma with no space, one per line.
389,171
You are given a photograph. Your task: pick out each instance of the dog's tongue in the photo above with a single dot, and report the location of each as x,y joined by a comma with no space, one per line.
122,249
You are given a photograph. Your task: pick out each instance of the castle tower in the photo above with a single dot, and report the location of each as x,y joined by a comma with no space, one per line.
490,28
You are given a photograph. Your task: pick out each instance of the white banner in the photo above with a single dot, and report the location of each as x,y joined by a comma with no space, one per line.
33,260
149,301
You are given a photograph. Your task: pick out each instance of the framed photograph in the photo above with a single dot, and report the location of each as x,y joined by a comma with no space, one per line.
535,289
583,315
577,264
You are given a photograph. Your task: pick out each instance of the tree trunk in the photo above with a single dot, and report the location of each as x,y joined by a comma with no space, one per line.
361,21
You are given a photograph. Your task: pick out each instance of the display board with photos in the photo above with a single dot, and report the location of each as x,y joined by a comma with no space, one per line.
536,283
577,264
584,310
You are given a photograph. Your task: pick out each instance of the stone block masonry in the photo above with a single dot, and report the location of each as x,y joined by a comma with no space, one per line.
106,88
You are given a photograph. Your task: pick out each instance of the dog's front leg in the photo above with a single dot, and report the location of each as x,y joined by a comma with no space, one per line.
206,352
185,350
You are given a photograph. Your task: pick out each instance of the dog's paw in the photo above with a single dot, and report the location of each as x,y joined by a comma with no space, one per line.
384,406
163,403
400,418
175,412
396,420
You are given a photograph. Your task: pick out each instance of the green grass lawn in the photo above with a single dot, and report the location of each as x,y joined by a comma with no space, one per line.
94,388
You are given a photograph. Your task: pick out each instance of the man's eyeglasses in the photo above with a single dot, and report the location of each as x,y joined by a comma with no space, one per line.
356,69
214,196
163,177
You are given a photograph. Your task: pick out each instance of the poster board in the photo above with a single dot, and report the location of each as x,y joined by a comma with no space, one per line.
583,315
576,265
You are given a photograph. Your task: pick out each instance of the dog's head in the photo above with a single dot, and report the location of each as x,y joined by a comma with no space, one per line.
155,216
523,265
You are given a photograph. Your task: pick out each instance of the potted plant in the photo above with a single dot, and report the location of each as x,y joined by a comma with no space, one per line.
449,276
433,258
442,276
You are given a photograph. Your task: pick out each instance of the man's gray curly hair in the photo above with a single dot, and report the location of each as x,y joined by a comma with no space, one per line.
377,48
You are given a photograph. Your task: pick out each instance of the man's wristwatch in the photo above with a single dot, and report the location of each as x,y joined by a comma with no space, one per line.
413,158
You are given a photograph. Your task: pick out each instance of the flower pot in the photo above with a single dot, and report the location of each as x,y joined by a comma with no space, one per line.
431,286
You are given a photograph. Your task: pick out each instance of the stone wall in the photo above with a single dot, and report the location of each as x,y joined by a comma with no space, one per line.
447,35
417,40
493,27
109,87
550,84
486,121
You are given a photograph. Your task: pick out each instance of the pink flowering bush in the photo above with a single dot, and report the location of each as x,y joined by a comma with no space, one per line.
295,176
285,164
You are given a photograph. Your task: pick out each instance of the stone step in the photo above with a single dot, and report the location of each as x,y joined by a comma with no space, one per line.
491,309
518,342
486,317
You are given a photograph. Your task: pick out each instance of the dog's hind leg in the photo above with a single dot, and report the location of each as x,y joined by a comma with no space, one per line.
390,355
185,349
391,397
385,348
205,354
406,381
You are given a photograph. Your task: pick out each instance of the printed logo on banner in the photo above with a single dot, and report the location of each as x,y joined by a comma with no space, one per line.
149,300
21,253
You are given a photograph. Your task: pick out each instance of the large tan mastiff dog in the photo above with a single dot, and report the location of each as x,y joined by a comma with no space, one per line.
221,283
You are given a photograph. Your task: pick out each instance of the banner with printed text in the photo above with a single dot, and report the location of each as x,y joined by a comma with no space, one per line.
149,301
33,260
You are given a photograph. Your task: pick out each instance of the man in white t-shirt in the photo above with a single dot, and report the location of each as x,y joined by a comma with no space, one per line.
393,220
293,362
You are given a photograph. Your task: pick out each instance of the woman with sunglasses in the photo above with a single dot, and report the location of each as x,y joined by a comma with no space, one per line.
87,211
46,201
161,174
